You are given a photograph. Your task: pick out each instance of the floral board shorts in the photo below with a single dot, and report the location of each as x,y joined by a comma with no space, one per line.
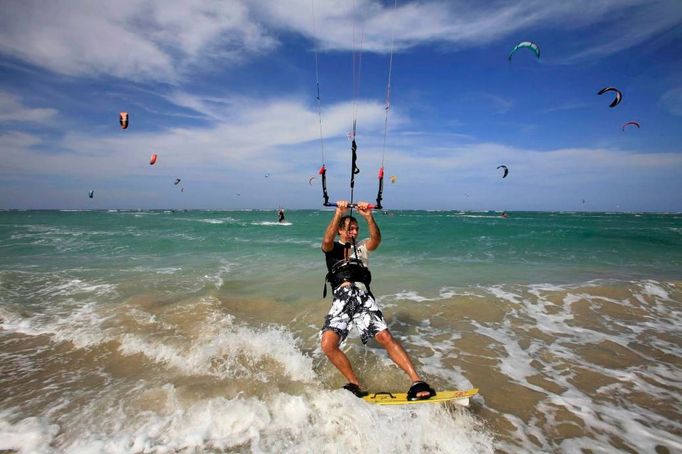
353,305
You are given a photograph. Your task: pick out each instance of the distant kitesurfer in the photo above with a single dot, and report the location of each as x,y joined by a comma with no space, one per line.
280,215
353,302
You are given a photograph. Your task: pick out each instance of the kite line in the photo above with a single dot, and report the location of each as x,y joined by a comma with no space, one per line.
357,63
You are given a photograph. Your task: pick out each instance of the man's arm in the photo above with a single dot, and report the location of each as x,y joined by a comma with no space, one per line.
374,233
333,227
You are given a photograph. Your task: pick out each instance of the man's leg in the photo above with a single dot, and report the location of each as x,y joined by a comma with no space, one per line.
330,347
399,356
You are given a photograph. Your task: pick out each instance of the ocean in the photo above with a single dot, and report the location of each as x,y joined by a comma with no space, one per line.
198,331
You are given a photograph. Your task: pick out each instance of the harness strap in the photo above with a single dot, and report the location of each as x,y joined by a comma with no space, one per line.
349,270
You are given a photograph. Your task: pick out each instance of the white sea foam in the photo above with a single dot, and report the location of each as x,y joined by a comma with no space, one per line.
217,278
653,288
29,435
432,365
269,223
81,326
451,292
69,307
498,292
216,221
74,287
145,318
516,365
221,351
320,421
410,296
641,427
168,270
221,348
414,296
288,241
12,322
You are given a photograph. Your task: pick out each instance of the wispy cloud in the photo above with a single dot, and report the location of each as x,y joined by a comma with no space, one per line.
537,178
566,106
134,39
672,101
233,156
270,119
642,20
12,109
162,40
258,135
18,140
499,104
462,23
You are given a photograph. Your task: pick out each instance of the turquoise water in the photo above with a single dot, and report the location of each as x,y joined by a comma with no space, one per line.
442,248
163,322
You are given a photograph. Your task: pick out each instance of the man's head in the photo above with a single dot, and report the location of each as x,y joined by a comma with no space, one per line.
348,228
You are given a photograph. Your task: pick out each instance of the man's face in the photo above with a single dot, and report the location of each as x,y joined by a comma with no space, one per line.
348,231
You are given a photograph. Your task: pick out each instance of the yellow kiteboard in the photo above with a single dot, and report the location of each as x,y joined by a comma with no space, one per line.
457,397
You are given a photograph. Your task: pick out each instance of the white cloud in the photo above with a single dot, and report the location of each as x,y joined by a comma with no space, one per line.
672,101
133,39
256,124
18,140
643,20
463,23
163,40
433,170
13,110
466,177
499,104
259,135
566,106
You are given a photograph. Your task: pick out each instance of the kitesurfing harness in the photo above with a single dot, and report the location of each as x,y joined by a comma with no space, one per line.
344,269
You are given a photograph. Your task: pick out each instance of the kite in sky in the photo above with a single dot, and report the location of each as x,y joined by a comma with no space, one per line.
506,170
617,99
634,123
526,45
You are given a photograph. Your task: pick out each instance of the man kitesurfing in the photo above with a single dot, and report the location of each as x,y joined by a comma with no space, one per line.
353,302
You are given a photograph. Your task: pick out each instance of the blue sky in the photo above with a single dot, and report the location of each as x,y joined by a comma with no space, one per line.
225,93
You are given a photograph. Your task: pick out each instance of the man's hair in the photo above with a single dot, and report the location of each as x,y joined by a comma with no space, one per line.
342,221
